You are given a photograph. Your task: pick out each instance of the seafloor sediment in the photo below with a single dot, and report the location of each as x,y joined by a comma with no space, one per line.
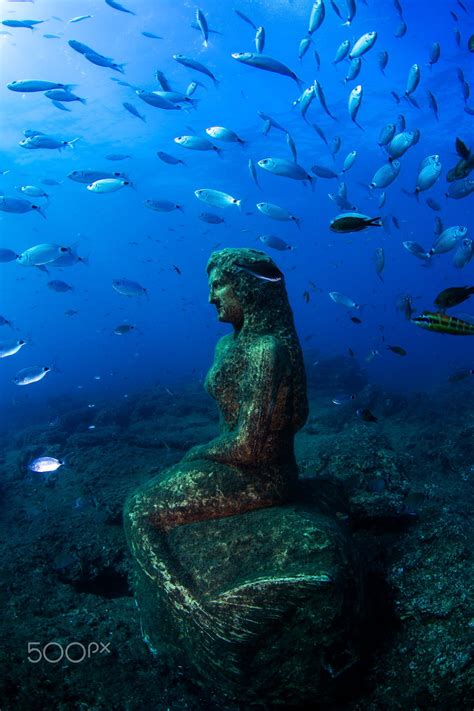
405,485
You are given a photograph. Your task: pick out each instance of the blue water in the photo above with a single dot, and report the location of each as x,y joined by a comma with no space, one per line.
176,329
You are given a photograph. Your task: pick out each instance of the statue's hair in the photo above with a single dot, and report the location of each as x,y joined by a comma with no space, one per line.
266,308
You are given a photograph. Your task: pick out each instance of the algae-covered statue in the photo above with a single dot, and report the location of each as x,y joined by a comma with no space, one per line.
231,571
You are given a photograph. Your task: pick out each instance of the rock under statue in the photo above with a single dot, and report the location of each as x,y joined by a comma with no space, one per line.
255,588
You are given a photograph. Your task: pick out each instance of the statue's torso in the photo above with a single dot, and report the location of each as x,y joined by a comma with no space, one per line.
223,381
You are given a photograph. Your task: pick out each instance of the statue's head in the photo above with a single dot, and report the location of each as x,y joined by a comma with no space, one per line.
244,283
249,292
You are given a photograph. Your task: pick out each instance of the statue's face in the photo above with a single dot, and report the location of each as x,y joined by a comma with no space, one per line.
226,301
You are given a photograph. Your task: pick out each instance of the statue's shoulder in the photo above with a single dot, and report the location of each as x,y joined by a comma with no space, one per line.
224,343
269,347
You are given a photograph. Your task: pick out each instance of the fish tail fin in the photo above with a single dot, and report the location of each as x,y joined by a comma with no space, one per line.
40,210
83,101
415,194
216,82
312,182
180,208
69,87
299,82
359,126
297,221
71,143
218,151
376,222
239,204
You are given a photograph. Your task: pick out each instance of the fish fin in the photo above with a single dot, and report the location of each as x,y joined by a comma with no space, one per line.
375,222
359,126
71,143
462,150
83,101
39,209
299,81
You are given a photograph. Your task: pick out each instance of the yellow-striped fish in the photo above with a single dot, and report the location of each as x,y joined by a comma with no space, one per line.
442,323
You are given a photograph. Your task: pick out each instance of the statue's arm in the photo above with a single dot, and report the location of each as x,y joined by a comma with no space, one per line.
245,444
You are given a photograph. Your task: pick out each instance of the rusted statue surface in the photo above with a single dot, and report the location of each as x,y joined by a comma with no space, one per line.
222,555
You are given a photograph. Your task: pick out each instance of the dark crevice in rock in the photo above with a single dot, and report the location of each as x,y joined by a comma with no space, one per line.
108,583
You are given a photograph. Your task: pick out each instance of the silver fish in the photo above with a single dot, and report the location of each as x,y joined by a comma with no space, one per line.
275,242
460,189
197,66
416,249
32,85
414,76
385,175
354,102
45,465
354,70
260,39
154,99
383,61
253,172
464,253
132,110
322,98
216,198
316,18
285,168
277,213
18,205
379,261
343,300
269,64
162,205
117,6
126,287
202,24
303,48
9,348
349,161
435,53
363,44
448,239
34,374
342,51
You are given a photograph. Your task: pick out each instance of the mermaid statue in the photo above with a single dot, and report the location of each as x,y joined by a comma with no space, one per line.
223,556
